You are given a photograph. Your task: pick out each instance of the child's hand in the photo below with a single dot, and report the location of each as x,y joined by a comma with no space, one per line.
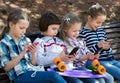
101,44
72,57
63,56
26,47
107,45
97,55
67,58
32,48
104,44
90,56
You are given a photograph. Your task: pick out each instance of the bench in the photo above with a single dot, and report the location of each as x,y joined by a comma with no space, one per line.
113,34
3,77
112,30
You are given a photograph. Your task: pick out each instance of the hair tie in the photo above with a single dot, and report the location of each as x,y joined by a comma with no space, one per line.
97,5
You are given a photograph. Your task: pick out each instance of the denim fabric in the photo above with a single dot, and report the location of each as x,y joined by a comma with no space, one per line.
91,80
72,80
40,77
113,67
109,78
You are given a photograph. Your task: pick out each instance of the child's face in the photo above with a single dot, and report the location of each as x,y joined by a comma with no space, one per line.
94,23
73,31
19,28
52,30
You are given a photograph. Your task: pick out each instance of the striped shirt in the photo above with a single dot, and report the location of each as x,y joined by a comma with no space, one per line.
92,38
9,49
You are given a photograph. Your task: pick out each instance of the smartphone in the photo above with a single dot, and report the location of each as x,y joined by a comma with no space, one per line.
35,43
95,53
75,49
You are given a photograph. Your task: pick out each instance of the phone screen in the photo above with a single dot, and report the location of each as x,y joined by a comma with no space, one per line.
74,50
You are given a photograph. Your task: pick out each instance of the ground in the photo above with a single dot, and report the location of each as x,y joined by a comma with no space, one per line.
60,7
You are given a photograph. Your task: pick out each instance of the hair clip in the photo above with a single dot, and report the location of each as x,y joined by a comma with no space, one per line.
67,19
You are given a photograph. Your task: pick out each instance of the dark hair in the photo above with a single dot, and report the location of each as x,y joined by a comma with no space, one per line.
68,21
46,20
96,10
14,16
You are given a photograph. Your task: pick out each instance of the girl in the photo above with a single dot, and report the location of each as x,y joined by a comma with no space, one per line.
97,40
70,28
51,46
19,64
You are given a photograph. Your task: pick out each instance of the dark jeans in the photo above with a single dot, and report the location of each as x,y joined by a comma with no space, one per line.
40,77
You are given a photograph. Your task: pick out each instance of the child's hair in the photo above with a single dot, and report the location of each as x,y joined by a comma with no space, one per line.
96,10
67,22
47,19
14,16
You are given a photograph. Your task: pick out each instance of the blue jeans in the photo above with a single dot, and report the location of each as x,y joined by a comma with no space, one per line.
40,77
113,67
109,78
72,80
91,80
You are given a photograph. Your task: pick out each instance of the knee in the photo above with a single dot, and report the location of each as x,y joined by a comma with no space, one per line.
112,78
109,78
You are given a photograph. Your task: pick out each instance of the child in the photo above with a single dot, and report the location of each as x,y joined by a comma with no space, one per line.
69,32
16,61
96,40
51,46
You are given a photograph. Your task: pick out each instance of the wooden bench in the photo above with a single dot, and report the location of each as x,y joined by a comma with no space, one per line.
113,34
3,77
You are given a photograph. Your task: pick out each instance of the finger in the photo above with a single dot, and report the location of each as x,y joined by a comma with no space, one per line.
62,53
75,54
69,56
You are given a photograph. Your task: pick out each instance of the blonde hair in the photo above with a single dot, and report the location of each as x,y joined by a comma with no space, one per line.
67,22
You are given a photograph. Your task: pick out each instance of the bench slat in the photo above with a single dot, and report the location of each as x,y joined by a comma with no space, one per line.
113,34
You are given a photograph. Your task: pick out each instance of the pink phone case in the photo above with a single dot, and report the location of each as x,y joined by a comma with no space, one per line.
35,43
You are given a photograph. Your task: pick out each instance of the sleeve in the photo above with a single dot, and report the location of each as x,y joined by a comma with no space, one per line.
68,48
94,48
86,48
4,55
43,57
81,33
